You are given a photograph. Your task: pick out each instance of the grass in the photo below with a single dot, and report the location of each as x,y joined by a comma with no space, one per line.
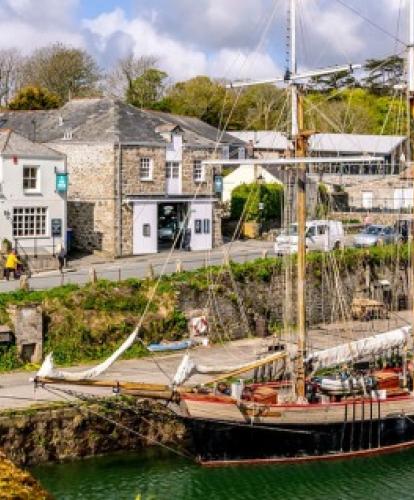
88,323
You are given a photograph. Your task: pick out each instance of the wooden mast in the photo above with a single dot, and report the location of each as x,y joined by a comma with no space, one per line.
301,150
410,89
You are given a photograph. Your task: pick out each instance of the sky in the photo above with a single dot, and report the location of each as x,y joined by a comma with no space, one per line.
235,39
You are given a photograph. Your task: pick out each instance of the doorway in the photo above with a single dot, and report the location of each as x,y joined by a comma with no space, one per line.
171,219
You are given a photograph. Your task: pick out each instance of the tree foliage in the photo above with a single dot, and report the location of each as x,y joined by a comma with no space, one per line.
66,71
245,200
10,74
146,90
32,98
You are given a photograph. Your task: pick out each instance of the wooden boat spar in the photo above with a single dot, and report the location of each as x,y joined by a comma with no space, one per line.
296,415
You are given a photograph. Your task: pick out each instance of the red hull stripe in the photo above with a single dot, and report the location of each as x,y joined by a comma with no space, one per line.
318,458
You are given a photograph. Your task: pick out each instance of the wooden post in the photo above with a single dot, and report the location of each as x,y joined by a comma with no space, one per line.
179,266
264,254
24,283
93,277
150,273
226,259
301,290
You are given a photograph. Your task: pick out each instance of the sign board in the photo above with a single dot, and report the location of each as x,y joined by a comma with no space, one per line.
56,227
218,184
61,183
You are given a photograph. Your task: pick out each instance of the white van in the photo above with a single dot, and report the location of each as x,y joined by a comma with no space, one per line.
321,235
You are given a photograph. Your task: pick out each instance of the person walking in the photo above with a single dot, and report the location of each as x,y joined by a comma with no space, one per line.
61,256
12,262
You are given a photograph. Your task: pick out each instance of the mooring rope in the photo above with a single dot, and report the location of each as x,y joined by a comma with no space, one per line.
62,393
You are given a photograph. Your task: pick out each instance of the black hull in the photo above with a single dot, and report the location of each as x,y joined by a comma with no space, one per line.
225,442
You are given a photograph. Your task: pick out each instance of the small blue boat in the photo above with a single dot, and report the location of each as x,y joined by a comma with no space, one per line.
170,346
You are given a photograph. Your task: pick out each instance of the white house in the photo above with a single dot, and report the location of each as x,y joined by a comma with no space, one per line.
33,186
246,174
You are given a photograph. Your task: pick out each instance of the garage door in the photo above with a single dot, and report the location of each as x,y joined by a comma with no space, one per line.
201,226
145,225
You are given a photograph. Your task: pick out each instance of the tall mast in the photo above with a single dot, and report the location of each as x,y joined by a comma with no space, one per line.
410,69
293,68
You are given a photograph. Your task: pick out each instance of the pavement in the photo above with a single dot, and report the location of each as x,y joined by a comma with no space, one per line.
138,267
16,390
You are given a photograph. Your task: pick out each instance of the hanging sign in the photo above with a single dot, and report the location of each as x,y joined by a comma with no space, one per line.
61,183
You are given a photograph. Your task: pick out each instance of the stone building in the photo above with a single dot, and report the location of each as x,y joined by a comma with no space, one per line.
32,198
136,178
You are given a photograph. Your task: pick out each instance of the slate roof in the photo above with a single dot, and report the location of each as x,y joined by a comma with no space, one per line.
14,144
355,143
106,120
265,139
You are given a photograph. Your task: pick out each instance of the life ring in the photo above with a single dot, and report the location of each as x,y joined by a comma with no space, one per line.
199,325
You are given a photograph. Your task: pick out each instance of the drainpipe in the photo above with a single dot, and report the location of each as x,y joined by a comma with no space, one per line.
119,201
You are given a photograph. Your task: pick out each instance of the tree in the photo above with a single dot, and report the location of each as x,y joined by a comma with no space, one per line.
335,81
10,72
146,90
31,98
263,108
119,80
384,74
65,71
245,200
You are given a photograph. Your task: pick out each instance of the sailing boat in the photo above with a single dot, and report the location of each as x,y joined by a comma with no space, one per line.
357,411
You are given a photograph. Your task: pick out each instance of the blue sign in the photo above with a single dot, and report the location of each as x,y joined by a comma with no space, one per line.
61,183
218,184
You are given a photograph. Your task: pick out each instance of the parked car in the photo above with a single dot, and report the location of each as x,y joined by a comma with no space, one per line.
168,232
321,235
375,234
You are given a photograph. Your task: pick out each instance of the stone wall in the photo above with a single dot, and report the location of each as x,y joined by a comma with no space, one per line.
91,195
29,437
190,155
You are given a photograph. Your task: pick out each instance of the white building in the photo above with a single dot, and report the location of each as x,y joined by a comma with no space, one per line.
265,143
32,197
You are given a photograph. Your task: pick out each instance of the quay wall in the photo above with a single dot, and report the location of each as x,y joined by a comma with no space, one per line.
57,433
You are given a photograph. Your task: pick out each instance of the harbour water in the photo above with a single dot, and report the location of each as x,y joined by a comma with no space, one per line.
153,475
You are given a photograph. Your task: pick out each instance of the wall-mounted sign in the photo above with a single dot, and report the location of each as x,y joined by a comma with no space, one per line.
56,227
61,183
218,184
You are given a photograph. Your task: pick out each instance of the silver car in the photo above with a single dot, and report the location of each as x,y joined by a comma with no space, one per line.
375,235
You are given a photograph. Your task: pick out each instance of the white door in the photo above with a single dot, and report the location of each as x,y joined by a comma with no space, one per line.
145,228
367,199
201,225
173,176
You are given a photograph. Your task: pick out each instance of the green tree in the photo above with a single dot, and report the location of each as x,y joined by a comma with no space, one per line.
245,200
31,98
384,74
147,90
66,71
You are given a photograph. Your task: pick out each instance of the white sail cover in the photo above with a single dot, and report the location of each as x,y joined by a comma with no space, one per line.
187,368
48,370
359,349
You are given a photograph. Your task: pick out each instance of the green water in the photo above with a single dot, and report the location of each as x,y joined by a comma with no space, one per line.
153,476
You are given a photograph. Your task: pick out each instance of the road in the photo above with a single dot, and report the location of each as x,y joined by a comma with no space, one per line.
138,267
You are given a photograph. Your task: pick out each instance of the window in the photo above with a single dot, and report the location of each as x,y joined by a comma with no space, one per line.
367,199
29,221
197,226
198,171
146,230
31,179
242,153
322,230
145,169
206,226
225,152
172,170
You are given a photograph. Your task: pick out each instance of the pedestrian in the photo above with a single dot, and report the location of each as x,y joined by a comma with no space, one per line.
12,262
61,256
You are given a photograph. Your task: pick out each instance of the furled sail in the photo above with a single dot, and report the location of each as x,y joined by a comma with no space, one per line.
48,370
187,368
359,349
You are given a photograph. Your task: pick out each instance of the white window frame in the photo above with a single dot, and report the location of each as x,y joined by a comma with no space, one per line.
148,177
30,219
172,170
30,190
199,169
241,153
367,202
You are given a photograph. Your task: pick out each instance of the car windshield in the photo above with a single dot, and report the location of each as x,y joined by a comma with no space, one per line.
373,230
292,230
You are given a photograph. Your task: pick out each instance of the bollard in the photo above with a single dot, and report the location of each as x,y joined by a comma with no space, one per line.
264,254
119,274
226,259
179,266
150,273
24,283
93,278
